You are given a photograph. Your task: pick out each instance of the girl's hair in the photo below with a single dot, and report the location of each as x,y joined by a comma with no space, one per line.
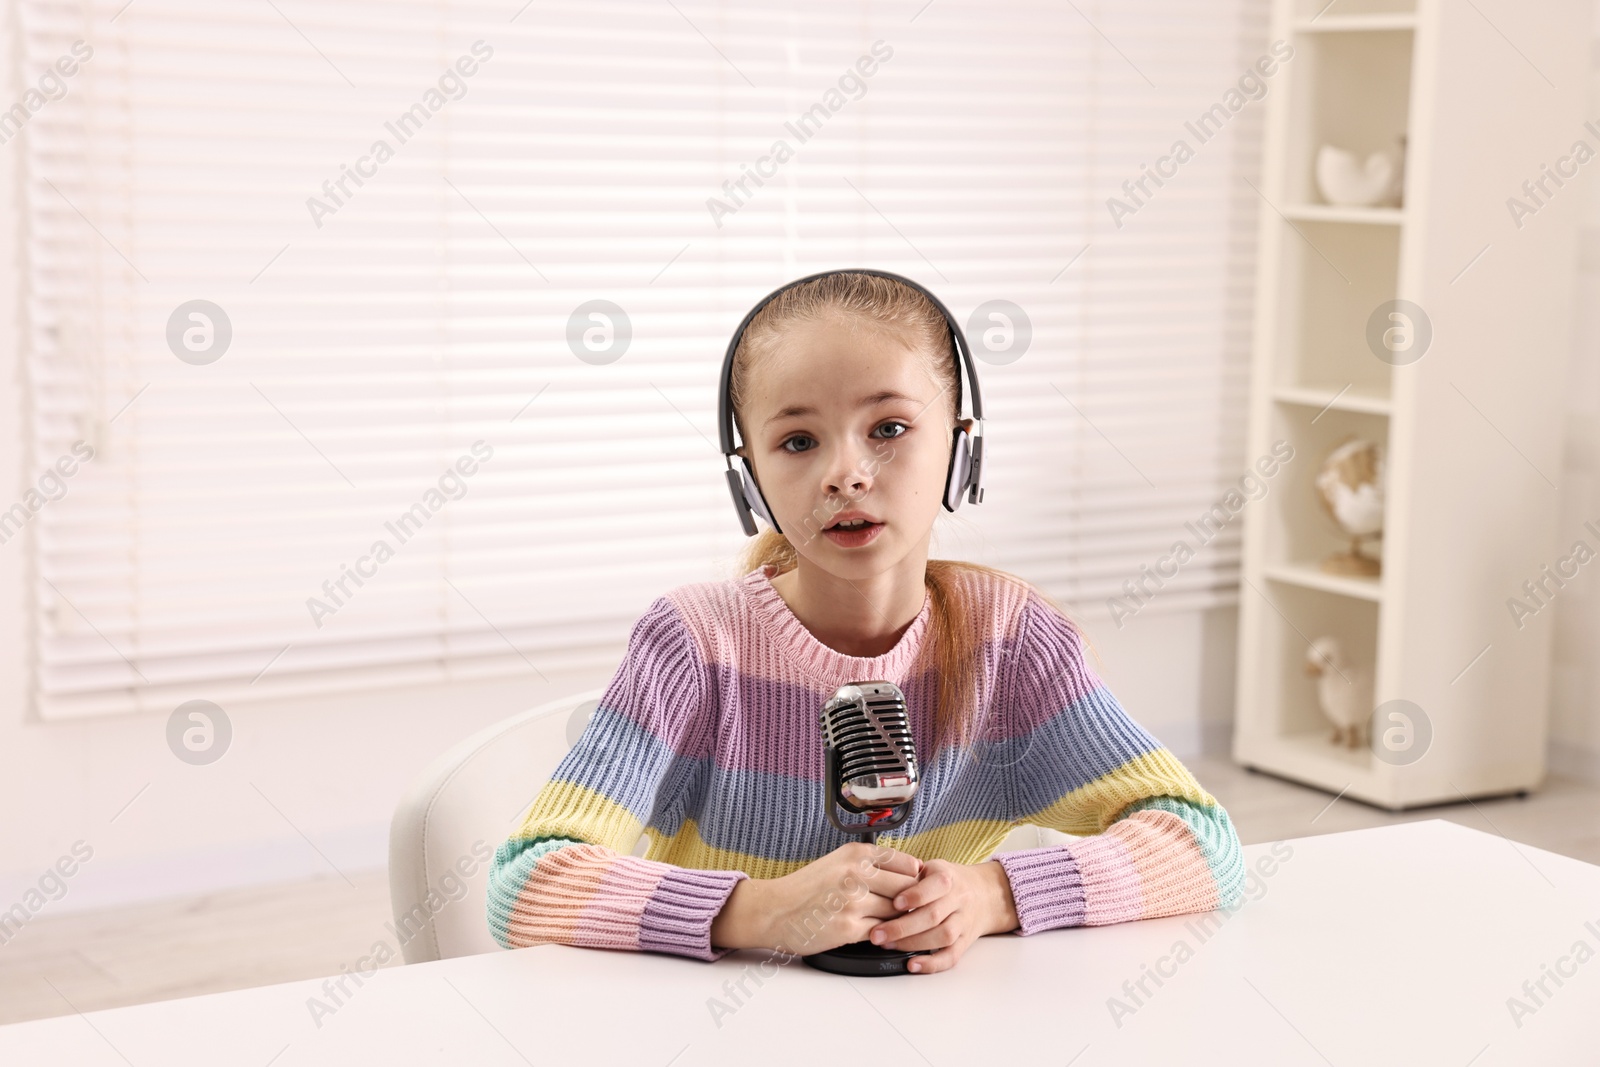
950,646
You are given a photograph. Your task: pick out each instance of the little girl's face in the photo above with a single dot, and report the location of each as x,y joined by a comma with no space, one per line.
848,419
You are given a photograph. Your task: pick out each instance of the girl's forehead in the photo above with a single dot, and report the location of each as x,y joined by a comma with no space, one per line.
840,381
837,365
824,353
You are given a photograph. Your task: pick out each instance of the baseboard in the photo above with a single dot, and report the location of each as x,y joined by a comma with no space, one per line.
109,883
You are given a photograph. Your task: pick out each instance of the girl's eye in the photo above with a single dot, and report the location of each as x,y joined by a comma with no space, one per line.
784,447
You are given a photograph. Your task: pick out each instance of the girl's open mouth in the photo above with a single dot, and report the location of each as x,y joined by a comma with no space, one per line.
855,538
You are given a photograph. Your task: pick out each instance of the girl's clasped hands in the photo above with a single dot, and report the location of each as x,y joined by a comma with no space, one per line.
870,892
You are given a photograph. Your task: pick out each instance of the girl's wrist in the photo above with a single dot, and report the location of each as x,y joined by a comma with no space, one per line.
734,925
1003,906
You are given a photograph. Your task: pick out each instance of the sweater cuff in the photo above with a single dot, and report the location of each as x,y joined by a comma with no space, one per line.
678,917
1047,887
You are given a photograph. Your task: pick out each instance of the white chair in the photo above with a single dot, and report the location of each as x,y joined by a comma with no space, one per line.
457,812
467,802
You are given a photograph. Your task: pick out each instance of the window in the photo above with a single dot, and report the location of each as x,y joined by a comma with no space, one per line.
311,299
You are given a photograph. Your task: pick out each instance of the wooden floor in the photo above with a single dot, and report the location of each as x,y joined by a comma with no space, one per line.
260,936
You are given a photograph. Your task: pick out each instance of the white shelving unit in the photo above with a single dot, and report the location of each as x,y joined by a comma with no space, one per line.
1471,430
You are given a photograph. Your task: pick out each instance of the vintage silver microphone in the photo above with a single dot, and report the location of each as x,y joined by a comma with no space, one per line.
870,765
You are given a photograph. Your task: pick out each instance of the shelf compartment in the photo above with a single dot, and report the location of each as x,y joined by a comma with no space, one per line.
1333,277
1298,532
1360,102
1294,617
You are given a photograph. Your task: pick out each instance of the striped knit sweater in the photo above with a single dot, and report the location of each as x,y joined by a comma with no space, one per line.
707,741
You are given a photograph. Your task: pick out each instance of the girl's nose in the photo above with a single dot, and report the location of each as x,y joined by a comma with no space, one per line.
853,480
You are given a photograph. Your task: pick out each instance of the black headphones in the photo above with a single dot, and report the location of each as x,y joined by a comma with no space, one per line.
966,452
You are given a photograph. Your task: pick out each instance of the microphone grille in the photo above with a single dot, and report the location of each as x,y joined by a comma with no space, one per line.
868,726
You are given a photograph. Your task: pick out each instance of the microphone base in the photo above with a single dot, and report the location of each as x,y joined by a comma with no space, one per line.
862,959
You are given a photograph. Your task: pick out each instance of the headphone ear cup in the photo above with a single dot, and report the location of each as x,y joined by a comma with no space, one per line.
959,477
752,494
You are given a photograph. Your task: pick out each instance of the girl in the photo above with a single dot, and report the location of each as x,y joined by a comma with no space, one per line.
845,393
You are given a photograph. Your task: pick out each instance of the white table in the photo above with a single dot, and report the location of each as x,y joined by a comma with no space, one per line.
1398,945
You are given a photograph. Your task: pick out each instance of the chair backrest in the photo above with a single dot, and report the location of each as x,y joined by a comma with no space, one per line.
457,812
468,801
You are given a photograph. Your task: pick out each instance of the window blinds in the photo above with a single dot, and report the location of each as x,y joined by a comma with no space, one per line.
381,339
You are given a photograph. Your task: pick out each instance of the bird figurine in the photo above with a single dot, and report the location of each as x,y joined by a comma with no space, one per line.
1349,486
1344,691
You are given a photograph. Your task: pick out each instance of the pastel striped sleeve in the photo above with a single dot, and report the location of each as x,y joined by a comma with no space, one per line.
1151,841
566,875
